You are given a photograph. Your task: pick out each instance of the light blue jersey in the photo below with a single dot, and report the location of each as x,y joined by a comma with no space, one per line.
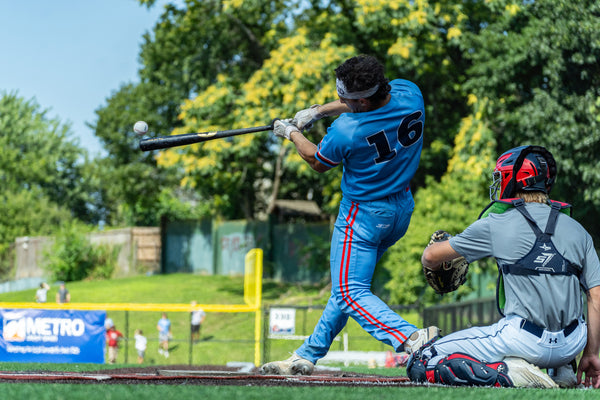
380,149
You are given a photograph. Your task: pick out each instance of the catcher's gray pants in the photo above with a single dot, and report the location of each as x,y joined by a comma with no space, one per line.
511,337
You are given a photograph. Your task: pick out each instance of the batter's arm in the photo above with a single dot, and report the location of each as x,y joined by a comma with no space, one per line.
307,150
333,109
437,253
589,364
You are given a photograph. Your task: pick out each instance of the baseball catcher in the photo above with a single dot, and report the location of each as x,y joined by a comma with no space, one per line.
449,275
546,263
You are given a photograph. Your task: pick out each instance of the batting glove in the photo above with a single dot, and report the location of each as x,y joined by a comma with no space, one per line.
284,128
305,118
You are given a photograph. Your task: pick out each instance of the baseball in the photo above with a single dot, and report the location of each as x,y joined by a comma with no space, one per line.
140,127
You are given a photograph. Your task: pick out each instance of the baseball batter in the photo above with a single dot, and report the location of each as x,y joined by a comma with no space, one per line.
378,138
546,260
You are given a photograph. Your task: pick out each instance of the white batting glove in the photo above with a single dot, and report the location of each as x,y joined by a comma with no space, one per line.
284,128
305,118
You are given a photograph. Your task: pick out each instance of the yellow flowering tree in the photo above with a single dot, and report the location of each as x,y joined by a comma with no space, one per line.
237,175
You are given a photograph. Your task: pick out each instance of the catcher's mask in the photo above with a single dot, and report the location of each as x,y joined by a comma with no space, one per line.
529,168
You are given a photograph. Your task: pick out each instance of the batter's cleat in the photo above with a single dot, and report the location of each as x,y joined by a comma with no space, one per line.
295,365
420,338
526,375
565,375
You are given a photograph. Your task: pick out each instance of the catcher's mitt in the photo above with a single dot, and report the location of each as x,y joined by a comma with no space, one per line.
451,274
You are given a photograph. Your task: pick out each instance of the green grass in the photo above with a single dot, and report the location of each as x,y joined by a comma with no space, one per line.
229,340
162,392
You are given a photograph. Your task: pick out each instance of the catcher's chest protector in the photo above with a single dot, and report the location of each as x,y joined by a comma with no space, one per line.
543,258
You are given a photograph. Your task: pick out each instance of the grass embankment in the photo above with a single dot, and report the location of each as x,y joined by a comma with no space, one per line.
224,337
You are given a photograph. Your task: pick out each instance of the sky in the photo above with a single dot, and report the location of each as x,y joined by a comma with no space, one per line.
71,55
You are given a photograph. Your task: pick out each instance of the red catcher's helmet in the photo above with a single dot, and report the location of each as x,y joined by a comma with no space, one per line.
530,168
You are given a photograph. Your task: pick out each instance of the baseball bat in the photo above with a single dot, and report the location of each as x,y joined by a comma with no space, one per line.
164,142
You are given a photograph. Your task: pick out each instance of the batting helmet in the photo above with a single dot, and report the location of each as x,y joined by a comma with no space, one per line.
529,168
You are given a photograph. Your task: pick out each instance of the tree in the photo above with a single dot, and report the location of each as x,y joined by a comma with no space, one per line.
535,76
41,171
236,175
186,51
132,188
39,153
539,67
450,204
388,30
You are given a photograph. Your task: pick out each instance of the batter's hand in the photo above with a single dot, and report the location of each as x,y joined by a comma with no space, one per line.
284,128
590,366
305,118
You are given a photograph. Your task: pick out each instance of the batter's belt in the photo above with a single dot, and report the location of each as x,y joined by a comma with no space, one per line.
539,331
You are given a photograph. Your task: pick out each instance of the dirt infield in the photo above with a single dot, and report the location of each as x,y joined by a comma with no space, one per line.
209,375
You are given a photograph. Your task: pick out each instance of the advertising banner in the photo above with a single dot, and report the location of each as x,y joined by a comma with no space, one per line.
57,336
282,321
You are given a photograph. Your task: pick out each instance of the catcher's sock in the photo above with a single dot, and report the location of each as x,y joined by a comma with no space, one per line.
420,338
295,365
527,375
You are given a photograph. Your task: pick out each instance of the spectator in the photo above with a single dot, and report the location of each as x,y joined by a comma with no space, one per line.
197,318
140,345
164,333
41,295
112,338
63,295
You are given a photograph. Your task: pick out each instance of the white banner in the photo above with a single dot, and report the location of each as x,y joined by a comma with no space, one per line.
282,321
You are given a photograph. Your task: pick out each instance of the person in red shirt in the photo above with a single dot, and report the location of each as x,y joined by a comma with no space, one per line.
112,339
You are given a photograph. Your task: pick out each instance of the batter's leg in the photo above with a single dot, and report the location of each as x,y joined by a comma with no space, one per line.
330,324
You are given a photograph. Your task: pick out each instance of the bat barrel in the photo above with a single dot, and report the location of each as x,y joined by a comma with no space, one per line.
164,142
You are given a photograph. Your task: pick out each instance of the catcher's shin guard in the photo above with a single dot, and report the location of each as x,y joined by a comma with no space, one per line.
462,370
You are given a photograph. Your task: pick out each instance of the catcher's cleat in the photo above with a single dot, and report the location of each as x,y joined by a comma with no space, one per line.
565,375
420,338
295,365
526,375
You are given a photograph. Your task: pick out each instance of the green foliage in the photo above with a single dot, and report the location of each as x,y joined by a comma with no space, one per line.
231,174
43,182
495,74
38,154
539,66
187,50
72,257
129,181
450,204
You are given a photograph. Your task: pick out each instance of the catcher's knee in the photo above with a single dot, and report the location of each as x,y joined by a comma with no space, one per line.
458,370
462,370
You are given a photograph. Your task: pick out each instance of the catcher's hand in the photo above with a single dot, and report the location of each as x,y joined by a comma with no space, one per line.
451,274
